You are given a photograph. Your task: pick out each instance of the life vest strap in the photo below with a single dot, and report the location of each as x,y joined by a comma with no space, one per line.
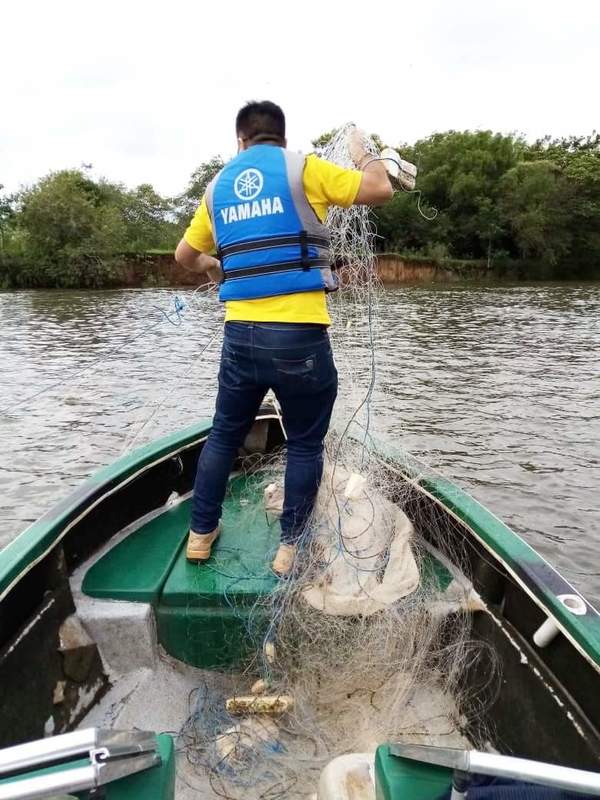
269,269
304,251
272,241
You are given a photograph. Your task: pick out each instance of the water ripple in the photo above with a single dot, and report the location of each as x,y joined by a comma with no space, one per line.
497,386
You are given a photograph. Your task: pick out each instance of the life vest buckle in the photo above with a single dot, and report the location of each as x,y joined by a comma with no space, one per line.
304,257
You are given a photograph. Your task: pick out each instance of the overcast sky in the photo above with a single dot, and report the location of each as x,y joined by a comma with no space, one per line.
147,91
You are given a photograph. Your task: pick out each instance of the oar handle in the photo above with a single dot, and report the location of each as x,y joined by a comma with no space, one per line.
574,780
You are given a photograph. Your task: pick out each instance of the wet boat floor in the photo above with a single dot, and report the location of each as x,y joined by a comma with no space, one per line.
162,699
197,608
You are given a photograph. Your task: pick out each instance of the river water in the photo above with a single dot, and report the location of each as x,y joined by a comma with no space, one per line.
496,386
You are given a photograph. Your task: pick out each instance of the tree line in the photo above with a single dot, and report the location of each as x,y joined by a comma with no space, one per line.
70,230
499,199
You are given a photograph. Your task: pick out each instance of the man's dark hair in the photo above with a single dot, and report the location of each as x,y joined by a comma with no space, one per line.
261,122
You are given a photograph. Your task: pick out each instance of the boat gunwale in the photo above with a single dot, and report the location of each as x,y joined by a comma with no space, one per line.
46,532
507,547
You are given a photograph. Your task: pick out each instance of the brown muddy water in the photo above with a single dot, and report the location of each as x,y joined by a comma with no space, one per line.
496,386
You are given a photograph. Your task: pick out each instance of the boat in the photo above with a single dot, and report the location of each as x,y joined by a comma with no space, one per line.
106,632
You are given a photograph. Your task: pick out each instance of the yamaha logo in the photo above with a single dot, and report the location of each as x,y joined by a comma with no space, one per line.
248,184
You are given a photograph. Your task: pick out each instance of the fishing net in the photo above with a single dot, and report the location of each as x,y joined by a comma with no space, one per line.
368,639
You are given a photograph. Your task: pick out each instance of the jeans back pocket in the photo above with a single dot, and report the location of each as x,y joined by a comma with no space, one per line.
299,372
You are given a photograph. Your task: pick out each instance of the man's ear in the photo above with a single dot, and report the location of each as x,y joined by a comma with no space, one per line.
241,144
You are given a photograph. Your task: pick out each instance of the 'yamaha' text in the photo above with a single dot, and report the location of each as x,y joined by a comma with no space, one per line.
257,208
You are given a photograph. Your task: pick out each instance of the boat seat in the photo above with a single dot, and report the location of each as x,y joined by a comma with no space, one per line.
206,613
397,778
137,567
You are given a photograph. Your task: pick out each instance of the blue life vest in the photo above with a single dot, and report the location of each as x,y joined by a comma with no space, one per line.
269,239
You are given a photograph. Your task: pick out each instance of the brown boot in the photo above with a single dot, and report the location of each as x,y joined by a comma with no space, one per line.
284,559
199,544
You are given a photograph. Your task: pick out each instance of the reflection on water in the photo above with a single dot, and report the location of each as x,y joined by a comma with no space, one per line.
496,386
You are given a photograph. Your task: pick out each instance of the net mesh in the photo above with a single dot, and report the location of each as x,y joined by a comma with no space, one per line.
369,637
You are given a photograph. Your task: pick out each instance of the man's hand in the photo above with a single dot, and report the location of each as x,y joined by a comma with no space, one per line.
198,262
357,141
375,187
215,272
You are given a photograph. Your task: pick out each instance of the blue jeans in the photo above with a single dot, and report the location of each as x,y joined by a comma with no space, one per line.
295,360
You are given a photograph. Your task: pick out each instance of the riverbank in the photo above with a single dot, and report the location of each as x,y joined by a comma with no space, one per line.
161,269
395,268
158,268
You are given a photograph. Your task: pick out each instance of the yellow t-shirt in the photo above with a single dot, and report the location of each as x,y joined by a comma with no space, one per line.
325,185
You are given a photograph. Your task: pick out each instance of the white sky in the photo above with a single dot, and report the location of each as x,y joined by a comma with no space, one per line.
147,91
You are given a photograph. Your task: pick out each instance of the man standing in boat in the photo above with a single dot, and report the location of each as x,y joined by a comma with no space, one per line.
263,215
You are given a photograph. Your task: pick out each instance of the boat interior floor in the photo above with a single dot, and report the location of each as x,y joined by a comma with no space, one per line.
163,697
165,627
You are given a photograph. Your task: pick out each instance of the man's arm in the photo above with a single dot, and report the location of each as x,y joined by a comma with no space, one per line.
375,187
198,240
198,262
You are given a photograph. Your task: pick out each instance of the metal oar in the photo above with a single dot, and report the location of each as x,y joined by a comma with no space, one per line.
465,762
111,755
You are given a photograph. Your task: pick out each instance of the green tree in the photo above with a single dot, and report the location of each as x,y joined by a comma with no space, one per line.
459,174
187,202
66,211
534,203
72,228
149,219
561,150
578,159
583,174
7,214
400,226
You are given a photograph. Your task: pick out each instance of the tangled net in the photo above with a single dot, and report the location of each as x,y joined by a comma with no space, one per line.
368,639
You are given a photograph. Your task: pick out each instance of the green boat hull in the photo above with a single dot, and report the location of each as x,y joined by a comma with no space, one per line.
203,623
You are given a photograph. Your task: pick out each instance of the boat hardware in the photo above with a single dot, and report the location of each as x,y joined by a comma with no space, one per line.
549,629
460,784
112,755
475,762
